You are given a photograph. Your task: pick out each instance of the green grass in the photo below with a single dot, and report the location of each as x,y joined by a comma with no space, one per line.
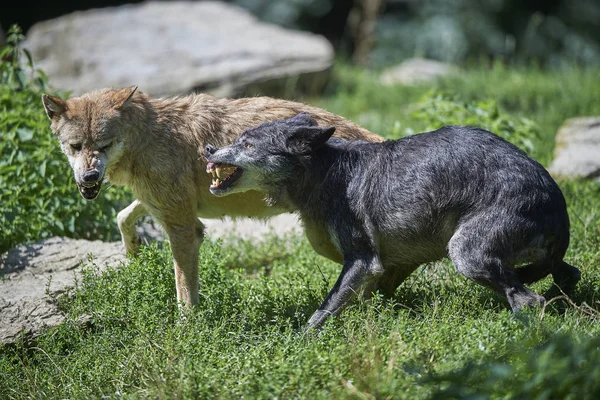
545,97
442,336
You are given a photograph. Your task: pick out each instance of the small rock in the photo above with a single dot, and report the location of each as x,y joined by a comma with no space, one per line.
174,47
416,70
577,149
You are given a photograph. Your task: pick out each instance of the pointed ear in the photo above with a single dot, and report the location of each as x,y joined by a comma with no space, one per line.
54,106
309,138
302,119
122,96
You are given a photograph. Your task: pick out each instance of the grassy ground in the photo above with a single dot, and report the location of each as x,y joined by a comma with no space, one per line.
441,336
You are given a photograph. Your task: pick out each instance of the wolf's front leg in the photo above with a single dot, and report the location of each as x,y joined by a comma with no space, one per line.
185,243
357,274
126,220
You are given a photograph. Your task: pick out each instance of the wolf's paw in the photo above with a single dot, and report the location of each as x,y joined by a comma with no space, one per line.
525,300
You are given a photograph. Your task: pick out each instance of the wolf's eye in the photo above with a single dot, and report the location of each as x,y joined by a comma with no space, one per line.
105,148
249,145
76,146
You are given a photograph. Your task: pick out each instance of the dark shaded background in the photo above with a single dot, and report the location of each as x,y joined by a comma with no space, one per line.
548,32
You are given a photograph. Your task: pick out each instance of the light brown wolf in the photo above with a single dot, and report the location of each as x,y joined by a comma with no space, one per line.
156,147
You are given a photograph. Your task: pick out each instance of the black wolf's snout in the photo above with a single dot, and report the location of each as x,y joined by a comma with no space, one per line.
209,150
91,176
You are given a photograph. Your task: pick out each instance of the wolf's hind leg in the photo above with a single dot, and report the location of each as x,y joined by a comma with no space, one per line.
126,220
357,275
565,277
473,251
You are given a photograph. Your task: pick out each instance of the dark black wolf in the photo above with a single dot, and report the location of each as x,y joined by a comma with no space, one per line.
460,192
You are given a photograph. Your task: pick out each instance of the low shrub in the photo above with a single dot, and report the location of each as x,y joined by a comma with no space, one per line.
442,109
38,194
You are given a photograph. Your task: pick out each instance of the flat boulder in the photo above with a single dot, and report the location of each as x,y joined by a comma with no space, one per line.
32,276
577,149
416,70
174,47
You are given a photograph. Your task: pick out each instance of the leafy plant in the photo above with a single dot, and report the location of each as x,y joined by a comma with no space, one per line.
39,196
12,73
441,109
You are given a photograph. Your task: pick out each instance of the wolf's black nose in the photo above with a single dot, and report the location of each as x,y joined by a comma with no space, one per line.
91,176
208,150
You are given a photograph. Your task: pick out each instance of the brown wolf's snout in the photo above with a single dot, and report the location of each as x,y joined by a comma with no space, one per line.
91,176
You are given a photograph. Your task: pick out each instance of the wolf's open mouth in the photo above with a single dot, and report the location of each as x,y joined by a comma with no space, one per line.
223,175
89,191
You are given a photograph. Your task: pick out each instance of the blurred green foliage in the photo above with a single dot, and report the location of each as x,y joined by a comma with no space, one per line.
546,97
438,109
562,368
13,73
552,33
288,13
38,195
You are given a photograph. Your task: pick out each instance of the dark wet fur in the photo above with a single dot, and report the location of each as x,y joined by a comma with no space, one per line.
460,192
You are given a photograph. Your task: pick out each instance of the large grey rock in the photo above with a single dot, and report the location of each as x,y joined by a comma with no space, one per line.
417,70
577,150
33,275
171,48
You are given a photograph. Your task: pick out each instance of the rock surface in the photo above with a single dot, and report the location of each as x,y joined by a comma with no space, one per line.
577,150
171,48
32,276
253,229
416,70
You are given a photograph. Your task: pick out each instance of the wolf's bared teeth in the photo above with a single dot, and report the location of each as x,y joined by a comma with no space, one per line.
218,172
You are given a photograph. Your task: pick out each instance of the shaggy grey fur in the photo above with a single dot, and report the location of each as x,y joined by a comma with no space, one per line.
460,192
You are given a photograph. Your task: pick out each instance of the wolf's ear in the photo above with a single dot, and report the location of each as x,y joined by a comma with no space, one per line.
122,96
54,106
309,138
302,119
